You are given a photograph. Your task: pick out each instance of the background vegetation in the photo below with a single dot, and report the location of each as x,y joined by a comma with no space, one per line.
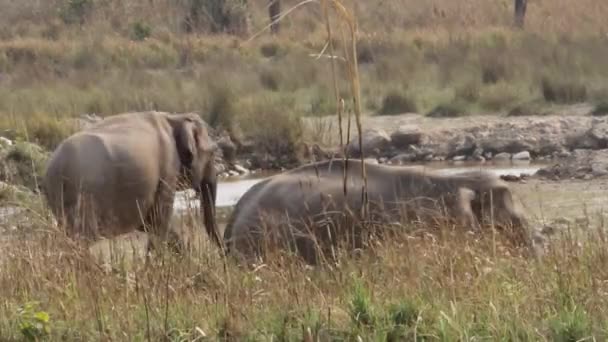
64,58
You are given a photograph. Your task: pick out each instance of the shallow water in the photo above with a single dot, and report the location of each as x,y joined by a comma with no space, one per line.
229,191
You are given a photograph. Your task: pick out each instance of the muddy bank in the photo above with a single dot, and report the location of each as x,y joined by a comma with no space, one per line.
580,164
408,138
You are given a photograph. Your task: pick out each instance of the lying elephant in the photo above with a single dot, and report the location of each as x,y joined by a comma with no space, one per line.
305,208
121,174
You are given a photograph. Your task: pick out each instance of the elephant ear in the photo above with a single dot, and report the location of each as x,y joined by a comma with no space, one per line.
185,139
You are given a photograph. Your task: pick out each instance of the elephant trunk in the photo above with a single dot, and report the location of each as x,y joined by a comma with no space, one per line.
208,195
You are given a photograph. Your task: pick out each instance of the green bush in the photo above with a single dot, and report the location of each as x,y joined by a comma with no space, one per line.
571,325
44,130
75,11
600,109
23,164
468,91
397,103
563,91
271,126
217,16
222,108
526,109
140,31
451,109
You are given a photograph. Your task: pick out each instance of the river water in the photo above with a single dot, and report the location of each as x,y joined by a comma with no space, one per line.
229,191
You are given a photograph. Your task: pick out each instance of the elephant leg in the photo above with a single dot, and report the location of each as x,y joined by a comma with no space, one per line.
464,211
157,220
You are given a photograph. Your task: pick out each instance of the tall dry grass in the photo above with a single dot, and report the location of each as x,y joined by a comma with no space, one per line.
425,287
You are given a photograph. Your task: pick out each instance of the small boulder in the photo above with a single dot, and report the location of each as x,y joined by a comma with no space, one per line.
462,145
402,158
459,158
4,142
502,156
374,141
241,170
524,155
405,136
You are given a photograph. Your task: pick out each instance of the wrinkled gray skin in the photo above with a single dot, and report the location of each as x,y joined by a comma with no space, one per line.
122,173
290,206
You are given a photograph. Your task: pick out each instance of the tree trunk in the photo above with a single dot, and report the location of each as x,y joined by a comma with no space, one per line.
274,11
520,12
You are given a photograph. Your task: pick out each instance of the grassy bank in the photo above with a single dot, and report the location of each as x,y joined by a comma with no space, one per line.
447,288
441,57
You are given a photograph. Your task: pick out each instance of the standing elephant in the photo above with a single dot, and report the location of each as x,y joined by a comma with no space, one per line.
121,174
305,209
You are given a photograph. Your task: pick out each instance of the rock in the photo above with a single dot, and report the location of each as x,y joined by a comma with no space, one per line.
505,144
420,153
488,155
594,138
373,142
402,159
599,132
406,135
461,145
4,142
510,178
459,158
382,160
478,152
524,155
502,156
371,160
582,164
479,159
241,170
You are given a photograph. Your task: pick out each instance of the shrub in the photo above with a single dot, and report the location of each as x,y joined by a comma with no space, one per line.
75,11
222,108
397,103
493,70
271,126
217,16
140,31
571,326
361,310
526,109
43,130
468,91
451,109
323,102
563,91
271,49
23,164
270,79
600,109
498,96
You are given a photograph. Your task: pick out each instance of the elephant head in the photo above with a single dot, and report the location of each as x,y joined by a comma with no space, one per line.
196,153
